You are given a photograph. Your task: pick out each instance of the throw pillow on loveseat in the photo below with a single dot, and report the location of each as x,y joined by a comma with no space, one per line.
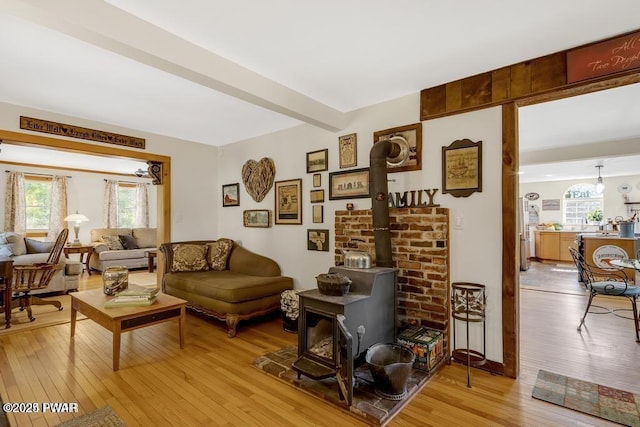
121,247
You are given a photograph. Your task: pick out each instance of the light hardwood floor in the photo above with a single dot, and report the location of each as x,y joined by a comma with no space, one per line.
212,382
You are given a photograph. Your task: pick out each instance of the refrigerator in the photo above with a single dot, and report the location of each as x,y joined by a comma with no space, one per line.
524,233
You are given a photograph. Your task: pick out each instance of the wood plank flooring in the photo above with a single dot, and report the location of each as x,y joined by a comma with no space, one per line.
212,382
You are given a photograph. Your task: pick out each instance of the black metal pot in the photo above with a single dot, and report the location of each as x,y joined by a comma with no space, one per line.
335,284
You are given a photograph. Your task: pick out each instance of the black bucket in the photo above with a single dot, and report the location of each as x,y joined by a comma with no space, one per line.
390,366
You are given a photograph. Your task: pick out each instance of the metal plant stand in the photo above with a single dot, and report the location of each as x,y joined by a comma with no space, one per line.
468,304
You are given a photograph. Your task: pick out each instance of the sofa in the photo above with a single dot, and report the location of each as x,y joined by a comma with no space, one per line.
122,247
223,280
23,250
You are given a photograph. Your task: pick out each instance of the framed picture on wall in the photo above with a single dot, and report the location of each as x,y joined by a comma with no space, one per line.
256,218
318,240
231,195
317,179
462,168
409,137
349,184
318,214
288,202
348,150
318,161
317,196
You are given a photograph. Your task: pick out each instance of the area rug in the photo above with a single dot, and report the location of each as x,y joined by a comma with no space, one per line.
46,315
101,417
367,405
600,401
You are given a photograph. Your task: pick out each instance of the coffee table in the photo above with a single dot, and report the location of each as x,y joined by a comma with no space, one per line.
123,319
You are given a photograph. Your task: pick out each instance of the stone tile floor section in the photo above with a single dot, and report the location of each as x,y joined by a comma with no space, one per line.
605,402
367,405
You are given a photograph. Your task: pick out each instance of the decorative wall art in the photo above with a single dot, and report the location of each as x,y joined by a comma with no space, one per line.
288,202
231,195
462,168
318,213
551,204
348,149
317,179
412,136
256,218
257,177
317,196
318,161
351,184
318,240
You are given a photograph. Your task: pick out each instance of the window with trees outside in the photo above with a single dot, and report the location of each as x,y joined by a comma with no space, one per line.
37,203
127,201
579,200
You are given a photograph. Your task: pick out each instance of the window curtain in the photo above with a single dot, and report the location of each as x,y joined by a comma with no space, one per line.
111,204
142,205
15,212
58,206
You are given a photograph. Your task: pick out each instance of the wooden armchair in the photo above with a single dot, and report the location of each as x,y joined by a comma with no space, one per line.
27,278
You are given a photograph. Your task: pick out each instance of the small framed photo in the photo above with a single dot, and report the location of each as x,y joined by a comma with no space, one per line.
317,196
256,218
317,180
231,195
318,240
318,161
351,184
348,149
462,168
288,202
318,214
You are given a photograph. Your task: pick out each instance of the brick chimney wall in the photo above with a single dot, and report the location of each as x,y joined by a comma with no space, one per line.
420,252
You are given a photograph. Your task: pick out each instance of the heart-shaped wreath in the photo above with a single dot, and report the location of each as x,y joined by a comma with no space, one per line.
257,177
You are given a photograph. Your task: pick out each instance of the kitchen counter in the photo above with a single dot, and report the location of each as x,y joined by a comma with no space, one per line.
606,236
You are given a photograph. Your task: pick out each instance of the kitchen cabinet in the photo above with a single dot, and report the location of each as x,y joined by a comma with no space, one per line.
554,245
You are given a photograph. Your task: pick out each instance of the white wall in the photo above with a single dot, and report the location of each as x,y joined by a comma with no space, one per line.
476,253
613,201
194,192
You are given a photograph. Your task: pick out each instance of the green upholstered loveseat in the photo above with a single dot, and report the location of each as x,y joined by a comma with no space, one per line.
250,285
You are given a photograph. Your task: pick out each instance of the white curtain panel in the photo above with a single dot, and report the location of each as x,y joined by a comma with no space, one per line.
58,206
111,204
15,212
142,205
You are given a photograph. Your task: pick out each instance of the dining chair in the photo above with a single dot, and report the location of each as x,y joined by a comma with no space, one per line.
606,283
31,277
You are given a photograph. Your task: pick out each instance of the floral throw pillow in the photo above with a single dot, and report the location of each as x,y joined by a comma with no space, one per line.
219,253
189,257
113,242
5,247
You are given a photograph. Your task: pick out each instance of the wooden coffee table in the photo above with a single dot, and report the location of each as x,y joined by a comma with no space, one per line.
123,319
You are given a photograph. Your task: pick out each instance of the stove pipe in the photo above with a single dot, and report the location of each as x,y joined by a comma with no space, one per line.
379,193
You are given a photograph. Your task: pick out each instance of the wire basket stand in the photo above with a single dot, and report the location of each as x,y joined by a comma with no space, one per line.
468,304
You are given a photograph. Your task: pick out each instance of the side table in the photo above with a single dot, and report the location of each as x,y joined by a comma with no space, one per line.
150,254
82,250
6,275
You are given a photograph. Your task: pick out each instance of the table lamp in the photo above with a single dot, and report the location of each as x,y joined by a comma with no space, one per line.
76,218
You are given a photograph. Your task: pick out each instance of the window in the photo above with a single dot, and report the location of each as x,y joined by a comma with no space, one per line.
126,205
579,200
38,203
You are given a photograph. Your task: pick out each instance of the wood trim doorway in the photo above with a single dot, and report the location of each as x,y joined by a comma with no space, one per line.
163,191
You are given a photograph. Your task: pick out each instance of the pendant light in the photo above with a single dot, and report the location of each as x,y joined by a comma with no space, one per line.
599,183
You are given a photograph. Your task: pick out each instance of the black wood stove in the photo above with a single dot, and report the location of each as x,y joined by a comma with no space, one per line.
333,331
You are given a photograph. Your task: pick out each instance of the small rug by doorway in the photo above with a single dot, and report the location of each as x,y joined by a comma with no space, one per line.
45,315
600,401
101,417
367,405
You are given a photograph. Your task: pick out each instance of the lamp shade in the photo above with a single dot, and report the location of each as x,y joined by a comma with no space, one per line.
76,217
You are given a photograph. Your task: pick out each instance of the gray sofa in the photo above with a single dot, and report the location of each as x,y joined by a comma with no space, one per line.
103,257
30,251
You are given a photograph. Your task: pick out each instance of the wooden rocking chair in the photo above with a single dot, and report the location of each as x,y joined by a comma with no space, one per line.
30,277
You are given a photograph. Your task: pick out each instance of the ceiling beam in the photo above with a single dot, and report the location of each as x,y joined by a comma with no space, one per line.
581,152
103,25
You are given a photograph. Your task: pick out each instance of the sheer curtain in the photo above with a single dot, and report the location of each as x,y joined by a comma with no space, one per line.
142,205
111,204
58,206
15,212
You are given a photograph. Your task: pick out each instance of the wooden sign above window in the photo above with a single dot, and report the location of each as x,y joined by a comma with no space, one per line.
71,131
603,58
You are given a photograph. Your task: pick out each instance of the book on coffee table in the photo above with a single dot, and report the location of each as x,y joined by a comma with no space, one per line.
138,291
129,302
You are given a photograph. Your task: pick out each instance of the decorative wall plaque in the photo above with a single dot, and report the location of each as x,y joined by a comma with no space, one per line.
257,177
462,168
71,131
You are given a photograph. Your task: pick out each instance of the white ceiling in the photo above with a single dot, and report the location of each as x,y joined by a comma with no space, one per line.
217,72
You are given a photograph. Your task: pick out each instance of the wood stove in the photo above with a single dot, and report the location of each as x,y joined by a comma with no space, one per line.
333,331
